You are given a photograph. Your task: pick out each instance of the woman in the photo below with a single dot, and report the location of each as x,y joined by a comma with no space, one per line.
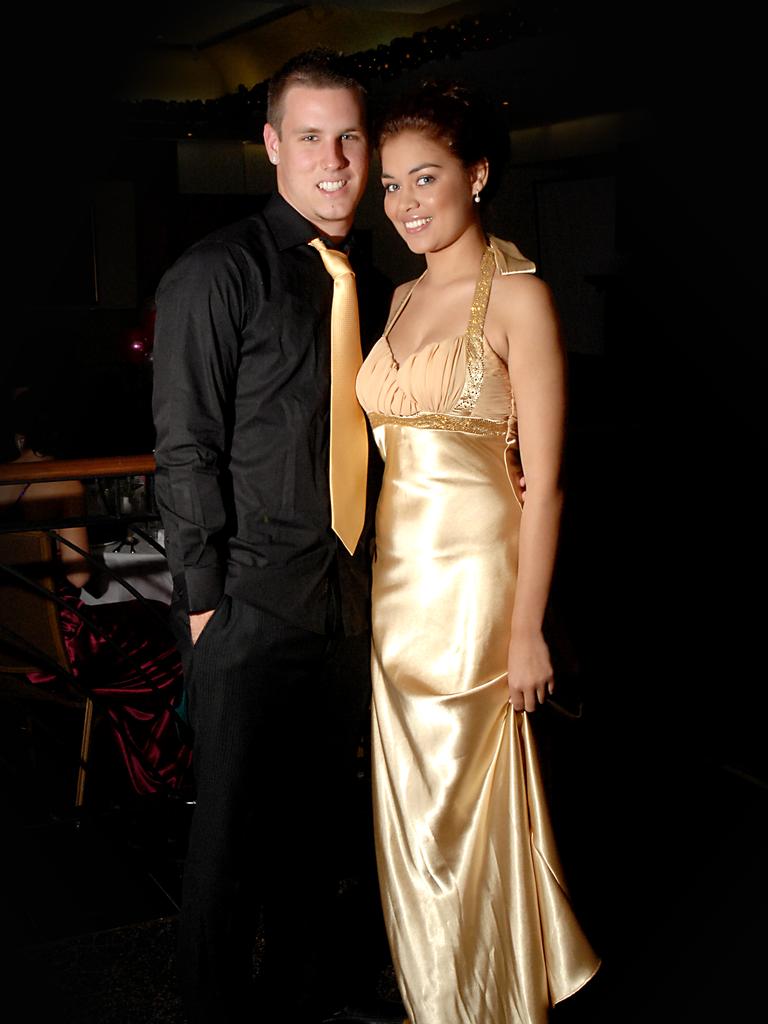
468,375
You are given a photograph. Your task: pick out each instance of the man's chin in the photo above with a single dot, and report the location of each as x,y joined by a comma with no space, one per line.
334,222
337,208
342,204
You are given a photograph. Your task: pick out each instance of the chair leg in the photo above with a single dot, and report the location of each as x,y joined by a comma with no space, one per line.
85,750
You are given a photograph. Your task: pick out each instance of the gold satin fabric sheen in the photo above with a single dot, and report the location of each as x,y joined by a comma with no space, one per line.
476,908
348,465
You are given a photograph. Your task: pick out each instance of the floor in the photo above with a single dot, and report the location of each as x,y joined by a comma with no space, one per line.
666,867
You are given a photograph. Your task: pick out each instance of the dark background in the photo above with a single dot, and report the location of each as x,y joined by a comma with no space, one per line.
662,569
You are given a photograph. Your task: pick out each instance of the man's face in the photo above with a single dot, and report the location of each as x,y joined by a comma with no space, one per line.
321,154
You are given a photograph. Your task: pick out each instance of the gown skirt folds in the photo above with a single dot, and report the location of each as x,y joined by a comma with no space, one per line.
477,912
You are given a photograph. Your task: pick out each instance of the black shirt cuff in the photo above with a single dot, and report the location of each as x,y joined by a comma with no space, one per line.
204,587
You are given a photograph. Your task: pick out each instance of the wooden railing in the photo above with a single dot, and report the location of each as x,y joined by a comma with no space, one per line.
75,469
102,468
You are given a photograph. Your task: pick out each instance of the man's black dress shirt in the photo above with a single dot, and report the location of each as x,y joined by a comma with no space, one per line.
241,406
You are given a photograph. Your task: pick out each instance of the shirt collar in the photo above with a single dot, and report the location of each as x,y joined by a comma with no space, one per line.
509,259
290,229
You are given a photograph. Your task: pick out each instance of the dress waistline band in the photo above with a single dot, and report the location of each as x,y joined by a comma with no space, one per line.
443,421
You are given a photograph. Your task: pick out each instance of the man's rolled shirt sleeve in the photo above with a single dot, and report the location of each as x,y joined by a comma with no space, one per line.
200,309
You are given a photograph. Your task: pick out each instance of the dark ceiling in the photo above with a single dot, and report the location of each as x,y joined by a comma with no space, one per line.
201,23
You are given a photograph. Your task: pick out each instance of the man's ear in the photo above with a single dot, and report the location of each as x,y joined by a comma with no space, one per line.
272,143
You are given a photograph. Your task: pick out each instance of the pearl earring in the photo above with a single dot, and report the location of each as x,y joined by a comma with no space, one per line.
476,197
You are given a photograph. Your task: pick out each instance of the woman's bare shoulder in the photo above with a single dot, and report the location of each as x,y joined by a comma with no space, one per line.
524,313
527,292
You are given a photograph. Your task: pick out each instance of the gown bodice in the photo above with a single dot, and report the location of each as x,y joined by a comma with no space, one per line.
460,376
458,383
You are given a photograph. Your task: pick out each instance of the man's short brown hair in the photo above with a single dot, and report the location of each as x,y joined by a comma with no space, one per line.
319,68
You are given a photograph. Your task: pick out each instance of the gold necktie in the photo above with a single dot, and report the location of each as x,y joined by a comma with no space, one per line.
348,467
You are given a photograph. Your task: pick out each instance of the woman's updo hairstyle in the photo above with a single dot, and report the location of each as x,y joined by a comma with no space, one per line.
461,117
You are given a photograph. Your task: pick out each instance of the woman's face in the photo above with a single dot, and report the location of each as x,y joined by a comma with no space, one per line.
428,192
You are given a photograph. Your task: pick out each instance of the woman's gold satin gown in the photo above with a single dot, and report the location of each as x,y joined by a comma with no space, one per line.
478,918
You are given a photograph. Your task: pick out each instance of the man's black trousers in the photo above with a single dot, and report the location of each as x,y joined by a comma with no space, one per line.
277,714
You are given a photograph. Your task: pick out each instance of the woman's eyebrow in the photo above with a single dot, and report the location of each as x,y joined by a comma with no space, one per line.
413,170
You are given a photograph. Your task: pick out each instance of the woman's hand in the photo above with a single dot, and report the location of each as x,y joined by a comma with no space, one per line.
530,675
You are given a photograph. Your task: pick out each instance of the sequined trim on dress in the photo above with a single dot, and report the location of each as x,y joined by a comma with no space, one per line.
442,421
474,337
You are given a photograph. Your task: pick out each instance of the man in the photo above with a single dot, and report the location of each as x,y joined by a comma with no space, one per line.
271,609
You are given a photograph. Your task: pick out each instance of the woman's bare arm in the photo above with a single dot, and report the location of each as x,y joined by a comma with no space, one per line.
537,372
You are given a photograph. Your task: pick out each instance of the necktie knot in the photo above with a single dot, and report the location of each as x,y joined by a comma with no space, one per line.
336,263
